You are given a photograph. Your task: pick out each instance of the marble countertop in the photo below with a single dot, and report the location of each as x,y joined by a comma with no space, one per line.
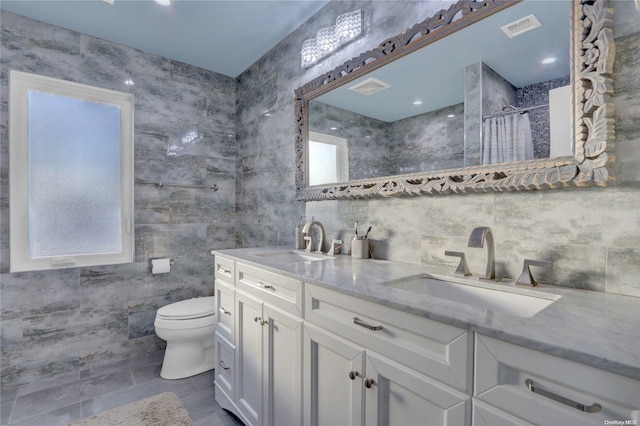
594,328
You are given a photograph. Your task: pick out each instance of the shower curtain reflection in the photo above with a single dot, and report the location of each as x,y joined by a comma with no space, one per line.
506,138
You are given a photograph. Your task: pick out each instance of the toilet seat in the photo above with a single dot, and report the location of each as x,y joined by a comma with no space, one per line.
188,309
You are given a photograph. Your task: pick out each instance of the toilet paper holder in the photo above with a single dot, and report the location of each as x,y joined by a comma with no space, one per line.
161,265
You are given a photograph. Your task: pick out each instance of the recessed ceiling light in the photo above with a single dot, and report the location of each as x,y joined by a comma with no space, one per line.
129,82
334,128
164,2
418,102
548,60
451,115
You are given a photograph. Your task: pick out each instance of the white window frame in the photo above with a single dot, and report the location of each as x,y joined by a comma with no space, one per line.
20,84
342,153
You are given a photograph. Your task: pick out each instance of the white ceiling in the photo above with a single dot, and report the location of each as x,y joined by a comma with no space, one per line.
220,35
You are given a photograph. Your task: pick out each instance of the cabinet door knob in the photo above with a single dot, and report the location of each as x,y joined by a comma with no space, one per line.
368,383
260,320
224,311
353,374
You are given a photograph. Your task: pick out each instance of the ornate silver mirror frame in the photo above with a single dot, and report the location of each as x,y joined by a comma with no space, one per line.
592,57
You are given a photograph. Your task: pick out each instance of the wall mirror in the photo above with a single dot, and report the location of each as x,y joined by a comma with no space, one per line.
462,102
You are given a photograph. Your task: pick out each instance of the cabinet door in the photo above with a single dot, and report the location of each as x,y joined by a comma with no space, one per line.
249,357
282,382
333,374
397,395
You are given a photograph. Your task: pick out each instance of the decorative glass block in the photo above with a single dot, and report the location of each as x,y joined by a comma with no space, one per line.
348,25
74,188
309,52
327,40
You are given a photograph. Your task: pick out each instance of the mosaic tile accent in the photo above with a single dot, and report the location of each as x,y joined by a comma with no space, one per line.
534,95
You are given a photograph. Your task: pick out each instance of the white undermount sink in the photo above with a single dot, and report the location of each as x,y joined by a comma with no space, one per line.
505,300
294,256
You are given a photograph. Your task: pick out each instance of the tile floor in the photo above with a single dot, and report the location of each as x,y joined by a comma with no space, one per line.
58,401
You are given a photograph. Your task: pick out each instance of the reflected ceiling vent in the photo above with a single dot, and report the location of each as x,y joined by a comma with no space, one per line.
521,26
370,86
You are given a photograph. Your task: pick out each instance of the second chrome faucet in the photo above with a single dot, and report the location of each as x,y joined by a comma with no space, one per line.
480,237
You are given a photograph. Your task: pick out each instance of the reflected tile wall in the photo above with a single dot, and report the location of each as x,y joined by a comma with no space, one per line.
57,322
592,235
366,139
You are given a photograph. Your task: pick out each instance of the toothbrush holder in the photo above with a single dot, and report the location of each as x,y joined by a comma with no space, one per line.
360,248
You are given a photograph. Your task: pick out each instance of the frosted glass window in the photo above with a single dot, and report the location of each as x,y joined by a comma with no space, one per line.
74,176
71,174
328,159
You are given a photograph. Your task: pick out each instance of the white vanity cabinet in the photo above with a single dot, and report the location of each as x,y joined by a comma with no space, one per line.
515,385
262,383
369,364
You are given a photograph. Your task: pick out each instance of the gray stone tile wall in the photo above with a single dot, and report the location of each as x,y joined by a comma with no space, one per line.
422,143
58,322
370,147
590,234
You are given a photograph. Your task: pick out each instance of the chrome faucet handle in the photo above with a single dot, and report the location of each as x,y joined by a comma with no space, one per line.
463,268
525,277
336,245
307,242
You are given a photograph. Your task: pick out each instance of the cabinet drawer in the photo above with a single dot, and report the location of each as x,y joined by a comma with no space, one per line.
225,307
438,350
225,369
562,389
225,269
280,291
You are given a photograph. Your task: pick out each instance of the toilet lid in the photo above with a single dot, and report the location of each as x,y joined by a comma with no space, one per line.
189,309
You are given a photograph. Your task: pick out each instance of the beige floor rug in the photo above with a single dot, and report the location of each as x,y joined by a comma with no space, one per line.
164,409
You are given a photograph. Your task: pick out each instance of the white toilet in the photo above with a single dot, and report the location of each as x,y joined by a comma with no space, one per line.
188,327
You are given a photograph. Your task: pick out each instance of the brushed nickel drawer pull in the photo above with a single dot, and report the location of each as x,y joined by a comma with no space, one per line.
353,374
224,311
224,271
368,383
358,321
221,363
593,408
265,286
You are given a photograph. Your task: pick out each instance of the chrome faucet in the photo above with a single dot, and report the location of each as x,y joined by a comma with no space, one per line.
305,232
477,239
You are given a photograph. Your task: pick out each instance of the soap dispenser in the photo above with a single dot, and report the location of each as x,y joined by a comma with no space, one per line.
299,235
